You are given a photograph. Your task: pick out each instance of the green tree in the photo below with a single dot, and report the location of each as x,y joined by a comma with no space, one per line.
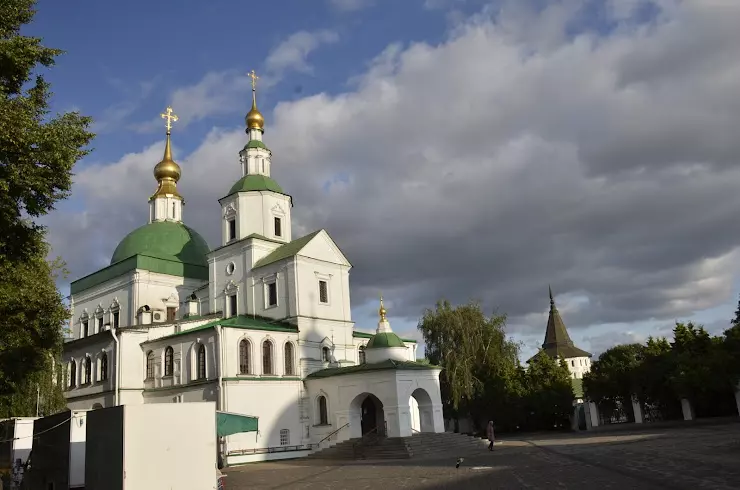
549,393
613,379
37,153
480,364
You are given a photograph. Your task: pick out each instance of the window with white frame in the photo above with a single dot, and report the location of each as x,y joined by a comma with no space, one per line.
271,293
100,324
72,373
103,375
278,226
284,437
267,364
116,320
322,411
362,354
84,329
201,362
232,305
325,354
289,364
150,365
245,350
232,228
323,291
88,370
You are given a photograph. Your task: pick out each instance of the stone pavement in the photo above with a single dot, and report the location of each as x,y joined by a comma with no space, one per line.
706,457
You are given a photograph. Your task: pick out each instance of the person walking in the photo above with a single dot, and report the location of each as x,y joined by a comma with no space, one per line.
490,435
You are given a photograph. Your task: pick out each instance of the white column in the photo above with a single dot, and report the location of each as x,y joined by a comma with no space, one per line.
687,408
593,415
637,407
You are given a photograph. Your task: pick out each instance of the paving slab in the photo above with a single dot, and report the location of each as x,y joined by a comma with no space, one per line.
705,457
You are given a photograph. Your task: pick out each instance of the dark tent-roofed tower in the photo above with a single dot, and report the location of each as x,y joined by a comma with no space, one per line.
558,344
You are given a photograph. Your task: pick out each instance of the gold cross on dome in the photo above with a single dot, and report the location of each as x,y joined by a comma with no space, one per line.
171,117
254,78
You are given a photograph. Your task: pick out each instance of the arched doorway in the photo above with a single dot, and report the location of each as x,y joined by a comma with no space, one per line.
421,411
369,410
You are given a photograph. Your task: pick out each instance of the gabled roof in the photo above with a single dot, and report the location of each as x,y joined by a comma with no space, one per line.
557,341
293,248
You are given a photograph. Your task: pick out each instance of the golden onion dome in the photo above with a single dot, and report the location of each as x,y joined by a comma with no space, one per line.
254,118
382,311
167,169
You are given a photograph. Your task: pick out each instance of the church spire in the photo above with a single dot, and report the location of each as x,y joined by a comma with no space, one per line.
254,118
557,341
383,324
166,202
167,172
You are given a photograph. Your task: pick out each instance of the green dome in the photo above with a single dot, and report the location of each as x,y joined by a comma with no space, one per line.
255,183
383,340
255,144
166,240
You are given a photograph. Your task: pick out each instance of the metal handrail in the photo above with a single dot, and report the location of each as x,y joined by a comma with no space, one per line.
327,437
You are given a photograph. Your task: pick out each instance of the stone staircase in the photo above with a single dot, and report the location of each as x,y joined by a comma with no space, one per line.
424,445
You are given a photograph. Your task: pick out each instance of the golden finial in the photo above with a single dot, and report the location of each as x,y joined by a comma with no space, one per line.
254,118
167,172
382,311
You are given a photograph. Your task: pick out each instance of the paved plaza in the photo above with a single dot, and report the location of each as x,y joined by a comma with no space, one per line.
706,457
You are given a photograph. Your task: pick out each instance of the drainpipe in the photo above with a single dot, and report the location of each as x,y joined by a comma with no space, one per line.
219,334
118,365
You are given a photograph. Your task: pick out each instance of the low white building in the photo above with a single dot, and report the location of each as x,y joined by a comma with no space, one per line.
261,325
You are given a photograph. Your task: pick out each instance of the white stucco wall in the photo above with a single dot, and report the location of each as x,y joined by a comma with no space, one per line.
578,366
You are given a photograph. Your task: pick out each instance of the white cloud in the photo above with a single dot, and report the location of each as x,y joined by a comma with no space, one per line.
496,163
292,54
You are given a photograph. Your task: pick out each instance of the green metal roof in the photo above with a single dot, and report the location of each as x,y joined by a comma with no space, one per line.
235,423
255,183
246,322
384,340
255,144
167,240
366,335
377,366
287,250
144,262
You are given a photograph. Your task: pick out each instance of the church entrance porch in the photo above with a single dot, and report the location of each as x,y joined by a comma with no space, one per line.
372,418
421,411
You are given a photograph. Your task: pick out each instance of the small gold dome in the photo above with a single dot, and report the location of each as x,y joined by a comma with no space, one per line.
254,118
167,169
381,311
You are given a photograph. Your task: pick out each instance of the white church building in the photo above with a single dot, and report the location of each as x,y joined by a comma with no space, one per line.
261,324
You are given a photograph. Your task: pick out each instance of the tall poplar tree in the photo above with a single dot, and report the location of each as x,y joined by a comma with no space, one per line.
37,153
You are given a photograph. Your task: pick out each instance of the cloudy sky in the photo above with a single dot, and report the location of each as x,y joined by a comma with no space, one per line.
452,148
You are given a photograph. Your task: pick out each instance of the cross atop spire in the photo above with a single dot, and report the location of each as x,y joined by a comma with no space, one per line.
254,78
170,117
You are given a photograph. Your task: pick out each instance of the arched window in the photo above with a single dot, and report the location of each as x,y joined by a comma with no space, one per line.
169,364
244,356
323,415
267,357
201,361
88,370
362,354
150,365
289,365
72,373
325,354
103,366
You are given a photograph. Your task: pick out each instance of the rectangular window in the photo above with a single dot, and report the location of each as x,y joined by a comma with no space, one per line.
85,331
232,305
284,437
171,314
272,294
323,292
278,227
232,229
100,324
116,318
